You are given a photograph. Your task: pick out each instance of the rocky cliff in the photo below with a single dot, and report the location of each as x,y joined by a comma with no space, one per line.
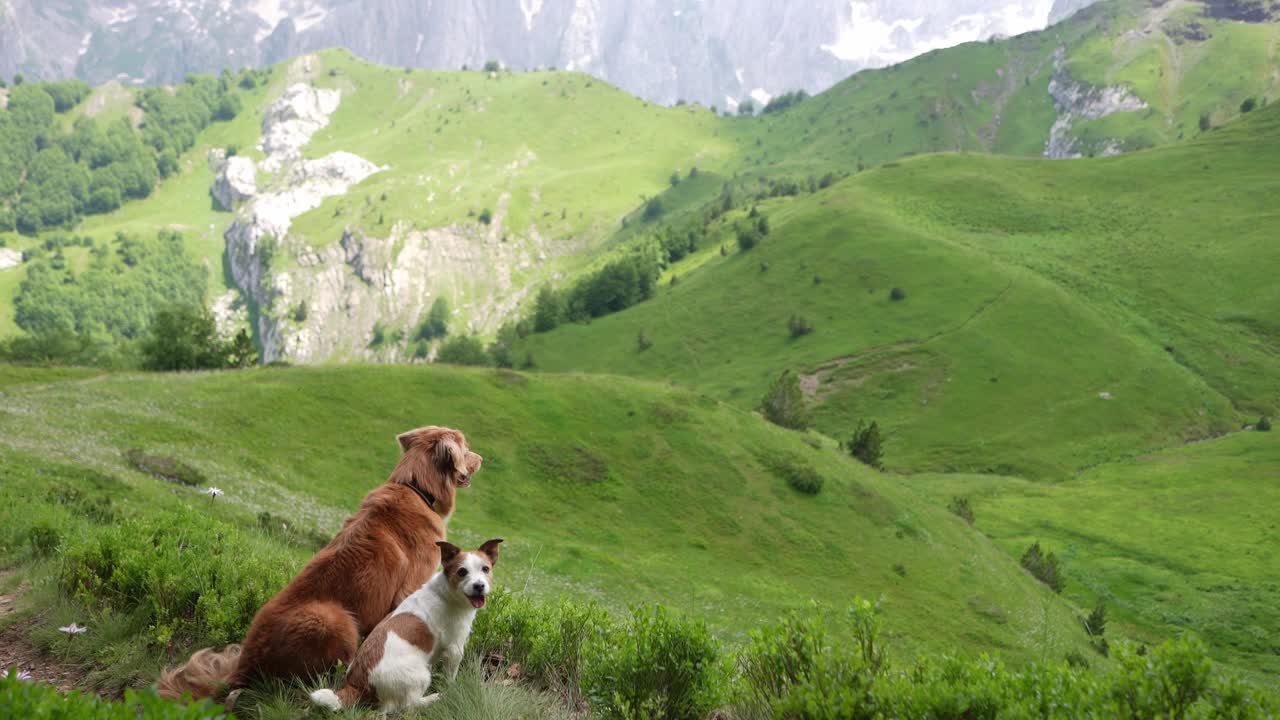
712,51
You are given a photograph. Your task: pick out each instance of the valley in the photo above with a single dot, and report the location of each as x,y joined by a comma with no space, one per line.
1042,265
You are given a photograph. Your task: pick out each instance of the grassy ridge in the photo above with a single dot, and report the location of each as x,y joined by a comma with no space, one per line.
603,486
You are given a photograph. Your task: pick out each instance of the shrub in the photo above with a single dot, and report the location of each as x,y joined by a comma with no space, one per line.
1248,105
799,326
300,312
643,342
656,666
762,224
436,325
804,479
1264,424
45,539
1096,623
897,294
23,699
1206,122
486,216
165,468
784,403
547,639
1043,567
866,445
182,574
674,180
748,237
463,350
184,338
653,210
960,506
491,66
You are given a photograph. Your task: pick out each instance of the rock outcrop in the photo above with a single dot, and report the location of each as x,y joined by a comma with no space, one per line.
1076,101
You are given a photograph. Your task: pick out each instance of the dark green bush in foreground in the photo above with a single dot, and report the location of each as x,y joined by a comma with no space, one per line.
22,699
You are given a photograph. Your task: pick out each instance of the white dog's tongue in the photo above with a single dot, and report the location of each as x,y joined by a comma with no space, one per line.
477,601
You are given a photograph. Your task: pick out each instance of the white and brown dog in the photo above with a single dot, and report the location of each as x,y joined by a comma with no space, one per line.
392,669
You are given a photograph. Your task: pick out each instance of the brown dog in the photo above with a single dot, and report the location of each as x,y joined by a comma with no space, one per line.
383,553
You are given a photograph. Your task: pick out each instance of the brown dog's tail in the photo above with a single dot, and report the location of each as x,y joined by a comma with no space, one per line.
335,701
205,675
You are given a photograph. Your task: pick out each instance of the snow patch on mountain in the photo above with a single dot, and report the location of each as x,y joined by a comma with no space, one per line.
871,38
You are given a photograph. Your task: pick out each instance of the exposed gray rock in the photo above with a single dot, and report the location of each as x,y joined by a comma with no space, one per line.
235,179
1077,101
709,51
9,258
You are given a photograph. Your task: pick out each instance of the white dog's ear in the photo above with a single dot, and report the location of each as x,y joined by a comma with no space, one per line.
448,551
406,440
490,550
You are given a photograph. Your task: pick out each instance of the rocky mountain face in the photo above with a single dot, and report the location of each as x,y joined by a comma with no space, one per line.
716,52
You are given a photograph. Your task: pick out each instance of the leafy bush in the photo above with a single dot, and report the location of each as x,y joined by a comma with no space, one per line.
549,640
1249,105
799,326
183,574
463,350
436,325
960,506
785,100
784,403
655,666
748,237
45,539
1264,424
1043,567
653,210
165,468
1096,623
866,444
643,342
24,699
897,294
186,338
798,474
486,216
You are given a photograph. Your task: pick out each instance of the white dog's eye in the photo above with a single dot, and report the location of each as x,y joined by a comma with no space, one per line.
462,572
485,568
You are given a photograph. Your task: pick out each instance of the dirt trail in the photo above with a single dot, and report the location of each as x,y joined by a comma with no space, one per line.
16,651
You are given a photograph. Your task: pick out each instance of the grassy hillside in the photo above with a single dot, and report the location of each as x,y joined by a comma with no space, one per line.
1174,541
615,488
1032,288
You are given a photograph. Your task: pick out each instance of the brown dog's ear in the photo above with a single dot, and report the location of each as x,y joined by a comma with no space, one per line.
449,456
448,551
490,550
406,440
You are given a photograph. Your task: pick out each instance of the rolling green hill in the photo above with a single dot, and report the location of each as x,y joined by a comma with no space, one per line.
603,486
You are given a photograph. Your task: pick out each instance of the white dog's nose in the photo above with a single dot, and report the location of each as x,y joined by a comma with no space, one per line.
478,587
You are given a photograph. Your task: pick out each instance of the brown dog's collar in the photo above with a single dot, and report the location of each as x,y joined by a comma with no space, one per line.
427,497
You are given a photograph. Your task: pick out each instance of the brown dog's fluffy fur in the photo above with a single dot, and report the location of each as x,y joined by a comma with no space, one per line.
383,553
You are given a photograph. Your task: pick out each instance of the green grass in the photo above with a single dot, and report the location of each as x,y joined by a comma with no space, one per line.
1177,541
605,487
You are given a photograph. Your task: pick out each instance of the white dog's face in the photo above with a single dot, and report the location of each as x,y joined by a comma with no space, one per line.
470,574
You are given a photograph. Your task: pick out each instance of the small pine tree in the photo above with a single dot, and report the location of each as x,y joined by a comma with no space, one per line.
763,225
1096,623
866,445
1043,567
961,507
724,251
784,404
486,216
674,179
1206,122
300,312
748,237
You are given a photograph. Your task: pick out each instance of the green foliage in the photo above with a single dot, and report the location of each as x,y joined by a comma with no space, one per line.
115,300
165,468
961,507
548,309
1096,623
747,108
45,539
784,403
183,574
492,66
463,350
486,216
1043,567
654,209
186,338
655,666
549,640
897,294
643,342
24,699
1264,424
50,177
785,100
437,323
800,475
866,445
1206,121
799,326
1248,105
674,180
748,236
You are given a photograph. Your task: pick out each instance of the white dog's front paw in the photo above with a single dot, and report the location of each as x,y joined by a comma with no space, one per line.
427,701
